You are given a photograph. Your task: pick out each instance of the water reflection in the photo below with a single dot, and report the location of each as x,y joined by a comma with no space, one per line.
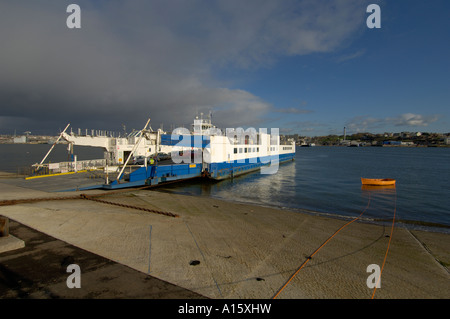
259,188
383,201
378,189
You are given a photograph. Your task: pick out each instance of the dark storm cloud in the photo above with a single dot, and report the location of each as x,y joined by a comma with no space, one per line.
137,59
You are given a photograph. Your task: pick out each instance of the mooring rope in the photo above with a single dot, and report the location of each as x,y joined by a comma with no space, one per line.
334,234
389,244
94,197
84,196
317,250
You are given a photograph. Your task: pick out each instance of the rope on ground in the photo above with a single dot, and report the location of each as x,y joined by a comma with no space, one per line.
84,196
389,243
317,250
9,202
93,197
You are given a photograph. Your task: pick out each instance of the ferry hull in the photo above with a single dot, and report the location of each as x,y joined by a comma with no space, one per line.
225,170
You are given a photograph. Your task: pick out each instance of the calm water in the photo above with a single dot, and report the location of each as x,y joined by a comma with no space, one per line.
327,180
321,179
15,157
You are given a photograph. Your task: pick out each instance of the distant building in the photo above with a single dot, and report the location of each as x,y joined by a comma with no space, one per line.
20,139
392,143
405,134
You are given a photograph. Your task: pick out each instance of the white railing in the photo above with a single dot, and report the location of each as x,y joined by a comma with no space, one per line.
65,167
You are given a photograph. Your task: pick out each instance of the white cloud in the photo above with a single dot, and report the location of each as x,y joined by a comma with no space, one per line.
363,123
351,56
409,120
292,110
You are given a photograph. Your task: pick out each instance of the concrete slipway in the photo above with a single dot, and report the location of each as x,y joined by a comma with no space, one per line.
221,249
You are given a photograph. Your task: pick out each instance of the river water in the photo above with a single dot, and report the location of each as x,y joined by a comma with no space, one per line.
328,180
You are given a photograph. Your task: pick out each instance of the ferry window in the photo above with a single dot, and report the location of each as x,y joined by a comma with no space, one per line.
240,149
245,150
257,149
235,150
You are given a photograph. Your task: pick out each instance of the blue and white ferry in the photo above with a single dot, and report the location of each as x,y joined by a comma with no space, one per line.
205,151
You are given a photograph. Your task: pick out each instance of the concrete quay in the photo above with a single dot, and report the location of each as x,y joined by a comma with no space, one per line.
215,249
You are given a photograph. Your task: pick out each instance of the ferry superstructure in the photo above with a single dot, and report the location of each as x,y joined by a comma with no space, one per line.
117,149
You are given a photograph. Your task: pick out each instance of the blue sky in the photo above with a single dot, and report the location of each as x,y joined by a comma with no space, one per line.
305,66
392,79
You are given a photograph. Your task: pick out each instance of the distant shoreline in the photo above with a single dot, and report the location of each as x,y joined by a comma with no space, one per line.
413,146
406,146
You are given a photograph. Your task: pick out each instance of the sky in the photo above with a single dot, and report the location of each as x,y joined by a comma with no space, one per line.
307,67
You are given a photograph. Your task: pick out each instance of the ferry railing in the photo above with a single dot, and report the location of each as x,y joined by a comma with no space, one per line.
67,167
